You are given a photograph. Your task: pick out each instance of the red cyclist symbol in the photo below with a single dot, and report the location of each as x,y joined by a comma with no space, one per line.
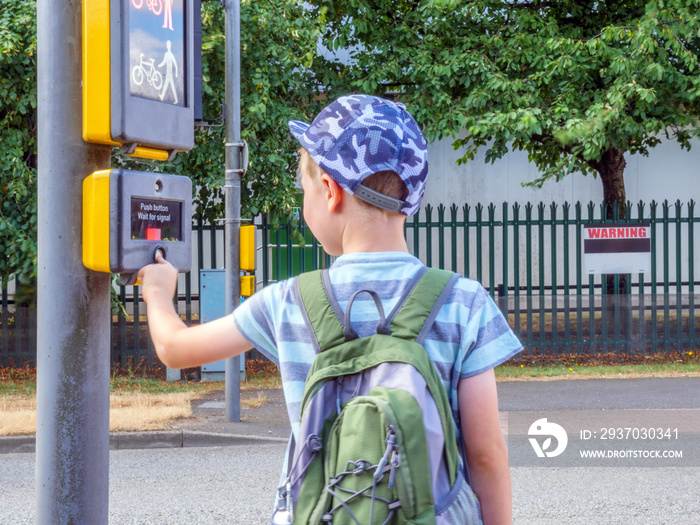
153,5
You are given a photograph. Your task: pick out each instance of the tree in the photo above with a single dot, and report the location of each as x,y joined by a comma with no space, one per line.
18,161
578,84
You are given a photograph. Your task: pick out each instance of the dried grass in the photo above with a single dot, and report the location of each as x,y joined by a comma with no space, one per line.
128,412
17,415
137,411
255,402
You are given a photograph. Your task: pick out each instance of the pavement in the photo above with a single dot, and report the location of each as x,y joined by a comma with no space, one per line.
208,425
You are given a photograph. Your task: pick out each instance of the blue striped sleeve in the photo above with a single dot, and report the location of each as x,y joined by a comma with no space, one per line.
488,340
272,322
252,318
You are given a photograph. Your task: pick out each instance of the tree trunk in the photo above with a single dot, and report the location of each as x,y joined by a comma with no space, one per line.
611,168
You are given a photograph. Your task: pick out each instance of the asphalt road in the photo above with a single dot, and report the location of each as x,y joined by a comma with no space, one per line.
601,394
216,485
169,486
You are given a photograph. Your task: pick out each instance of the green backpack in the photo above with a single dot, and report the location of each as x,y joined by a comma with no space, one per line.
377,441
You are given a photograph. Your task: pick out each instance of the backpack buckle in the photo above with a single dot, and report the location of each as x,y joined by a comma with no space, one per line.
283,514
281,517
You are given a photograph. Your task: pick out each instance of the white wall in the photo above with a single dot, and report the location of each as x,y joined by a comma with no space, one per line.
667,173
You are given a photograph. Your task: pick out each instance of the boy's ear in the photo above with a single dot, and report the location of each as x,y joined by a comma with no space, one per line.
334,192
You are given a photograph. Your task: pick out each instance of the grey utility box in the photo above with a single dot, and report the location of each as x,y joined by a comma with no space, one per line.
212,305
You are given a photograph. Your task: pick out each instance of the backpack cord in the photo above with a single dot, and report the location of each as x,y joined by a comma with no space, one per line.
331,488
315,445
386,464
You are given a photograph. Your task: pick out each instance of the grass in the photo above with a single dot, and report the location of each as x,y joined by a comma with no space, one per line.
261,374
17,414
130,411
143,400
139,399
256,401
549,367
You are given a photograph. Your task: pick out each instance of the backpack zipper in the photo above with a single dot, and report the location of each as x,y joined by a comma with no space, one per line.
390,446
395,463
403,486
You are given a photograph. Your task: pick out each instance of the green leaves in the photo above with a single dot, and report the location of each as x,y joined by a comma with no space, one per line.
566,81
278,44
18,141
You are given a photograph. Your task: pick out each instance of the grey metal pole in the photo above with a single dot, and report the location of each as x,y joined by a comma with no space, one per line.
72,437
232,194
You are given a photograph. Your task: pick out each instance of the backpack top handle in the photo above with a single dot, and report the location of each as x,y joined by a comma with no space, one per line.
382,325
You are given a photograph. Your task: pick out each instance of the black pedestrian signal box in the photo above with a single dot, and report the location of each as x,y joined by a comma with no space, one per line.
130,216
138,75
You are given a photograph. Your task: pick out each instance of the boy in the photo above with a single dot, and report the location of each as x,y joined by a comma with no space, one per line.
363,167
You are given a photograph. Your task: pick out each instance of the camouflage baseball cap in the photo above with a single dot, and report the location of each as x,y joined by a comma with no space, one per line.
358,135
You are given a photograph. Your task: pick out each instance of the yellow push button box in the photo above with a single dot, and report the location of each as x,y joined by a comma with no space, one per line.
129,217
247,285
247,248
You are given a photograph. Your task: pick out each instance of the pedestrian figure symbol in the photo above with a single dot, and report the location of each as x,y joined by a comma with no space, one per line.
169,61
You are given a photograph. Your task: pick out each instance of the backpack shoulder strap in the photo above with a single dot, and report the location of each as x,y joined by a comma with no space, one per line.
320,311
417,314
411,319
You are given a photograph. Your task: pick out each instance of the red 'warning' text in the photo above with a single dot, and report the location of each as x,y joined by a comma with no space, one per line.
617,233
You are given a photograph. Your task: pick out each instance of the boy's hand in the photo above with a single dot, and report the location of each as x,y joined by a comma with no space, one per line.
177,345
158,279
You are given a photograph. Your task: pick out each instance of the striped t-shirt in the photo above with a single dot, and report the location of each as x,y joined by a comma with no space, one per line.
469,336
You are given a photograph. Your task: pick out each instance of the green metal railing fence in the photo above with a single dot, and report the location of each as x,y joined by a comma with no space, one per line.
529,258
17,332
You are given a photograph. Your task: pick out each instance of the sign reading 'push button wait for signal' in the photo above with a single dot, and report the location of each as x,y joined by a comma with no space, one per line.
617,248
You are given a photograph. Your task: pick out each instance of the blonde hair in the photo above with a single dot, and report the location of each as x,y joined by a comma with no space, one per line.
308,167
385,182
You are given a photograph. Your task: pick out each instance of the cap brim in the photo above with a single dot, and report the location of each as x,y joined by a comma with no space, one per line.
298,128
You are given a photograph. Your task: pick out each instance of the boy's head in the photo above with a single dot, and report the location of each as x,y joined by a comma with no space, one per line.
371,147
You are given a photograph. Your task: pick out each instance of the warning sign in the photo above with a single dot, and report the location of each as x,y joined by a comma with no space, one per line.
617,248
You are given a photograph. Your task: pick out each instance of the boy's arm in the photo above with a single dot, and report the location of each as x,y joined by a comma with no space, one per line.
177,345
487,456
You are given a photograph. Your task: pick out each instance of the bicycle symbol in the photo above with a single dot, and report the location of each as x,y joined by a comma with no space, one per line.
147,69
153,5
